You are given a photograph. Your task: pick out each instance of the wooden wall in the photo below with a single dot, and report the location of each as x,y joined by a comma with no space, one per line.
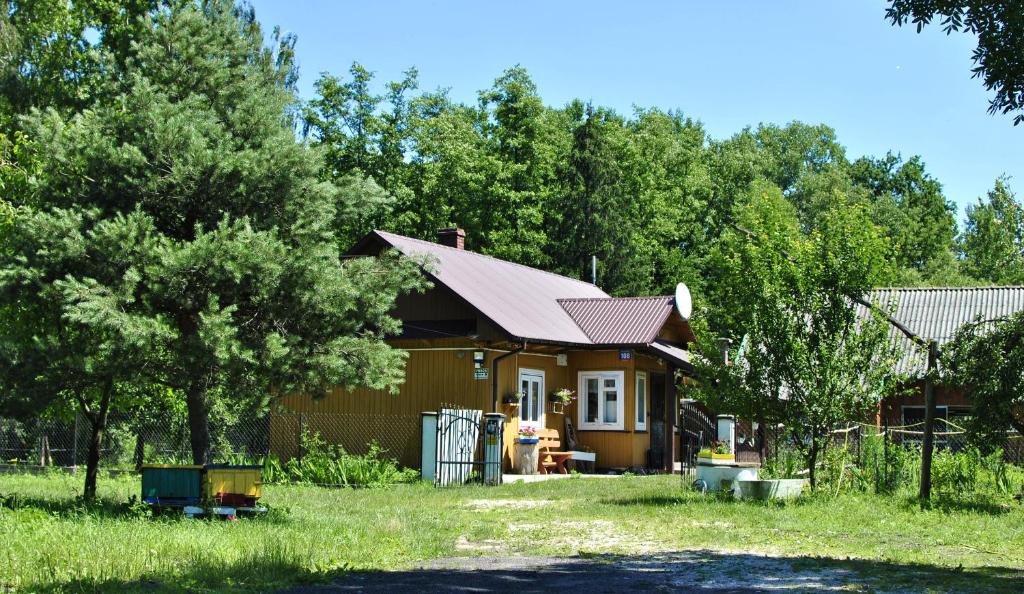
441,372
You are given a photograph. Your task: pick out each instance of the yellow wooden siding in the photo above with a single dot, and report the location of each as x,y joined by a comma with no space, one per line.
352,418
436,377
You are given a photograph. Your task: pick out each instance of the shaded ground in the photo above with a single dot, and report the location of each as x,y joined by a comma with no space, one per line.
686,571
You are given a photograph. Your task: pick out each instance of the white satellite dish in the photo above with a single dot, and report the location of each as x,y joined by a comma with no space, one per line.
684,303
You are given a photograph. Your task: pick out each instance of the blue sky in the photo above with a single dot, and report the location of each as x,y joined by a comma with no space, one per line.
727,63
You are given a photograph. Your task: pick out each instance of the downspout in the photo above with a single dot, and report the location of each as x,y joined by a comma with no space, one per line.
494,374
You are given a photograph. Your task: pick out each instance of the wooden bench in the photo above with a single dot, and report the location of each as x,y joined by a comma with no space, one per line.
550,457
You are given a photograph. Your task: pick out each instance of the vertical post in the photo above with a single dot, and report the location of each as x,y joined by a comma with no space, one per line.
302,429
494,427
74,442
428,444
929,423
669,458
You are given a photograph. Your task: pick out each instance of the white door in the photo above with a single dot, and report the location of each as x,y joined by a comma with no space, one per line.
531,409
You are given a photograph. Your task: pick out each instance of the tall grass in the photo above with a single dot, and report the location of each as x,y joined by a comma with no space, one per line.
325,464
892,469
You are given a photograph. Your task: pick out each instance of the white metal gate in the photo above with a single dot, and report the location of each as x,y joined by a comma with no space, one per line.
458,433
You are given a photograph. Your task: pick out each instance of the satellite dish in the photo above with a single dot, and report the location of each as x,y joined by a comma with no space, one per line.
684,303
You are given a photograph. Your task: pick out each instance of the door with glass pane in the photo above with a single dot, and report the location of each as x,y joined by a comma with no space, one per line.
531,408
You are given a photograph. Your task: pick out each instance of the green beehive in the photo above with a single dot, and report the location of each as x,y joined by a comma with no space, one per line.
171,483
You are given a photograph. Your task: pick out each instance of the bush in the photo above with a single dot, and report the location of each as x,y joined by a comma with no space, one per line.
326,464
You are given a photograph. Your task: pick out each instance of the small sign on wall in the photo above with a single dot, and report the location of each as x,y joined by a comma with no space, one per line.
480,373
625,355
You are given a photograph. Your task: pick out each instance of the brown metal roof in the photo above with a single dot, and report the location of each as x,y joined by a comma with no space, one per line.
534,305
521,300
620,320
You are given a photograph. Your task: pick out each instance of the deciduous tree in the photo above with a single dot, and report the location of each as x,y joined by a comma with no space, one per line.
809,362
992,243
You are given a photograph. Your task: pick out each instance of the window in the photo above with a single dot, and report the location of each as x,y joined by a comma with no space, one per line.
601,400
531,409
641,401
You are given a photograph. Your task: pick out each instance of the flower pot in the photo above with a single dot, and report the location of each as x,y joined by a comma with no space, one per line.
527,454
556,407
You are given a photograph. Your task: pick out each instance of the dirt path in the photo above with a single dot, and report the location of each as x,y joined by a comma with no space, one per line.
687,571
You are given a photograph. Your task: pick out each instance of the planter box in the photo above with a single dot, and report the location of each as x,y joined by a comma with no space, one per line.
717,458
763,490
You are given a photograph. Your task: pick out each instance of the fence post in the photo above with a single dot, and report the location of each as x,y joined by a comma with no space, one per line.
74,441
302,428
928,445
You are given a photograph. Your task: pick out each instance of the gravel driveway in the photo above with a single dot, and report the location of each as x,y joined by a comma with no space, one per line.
687,571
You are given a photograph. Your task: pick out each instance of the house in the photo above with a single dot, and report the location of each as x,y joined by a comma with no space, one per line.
490,328
936,314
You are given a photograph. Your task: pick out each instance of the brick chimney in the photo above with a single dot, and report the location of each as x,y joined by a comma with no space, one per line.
452,237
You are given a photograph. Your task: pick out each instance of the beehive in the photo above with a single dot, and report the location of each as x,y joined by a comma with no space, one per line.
233,485
171,483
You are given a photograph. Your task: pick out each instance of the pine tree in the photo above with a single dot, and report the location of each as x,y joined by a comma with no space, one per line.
243,269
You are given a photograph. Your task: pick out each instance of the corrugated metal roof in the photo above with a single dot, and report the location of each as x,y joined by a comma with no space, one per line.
937,313
520,299
620,320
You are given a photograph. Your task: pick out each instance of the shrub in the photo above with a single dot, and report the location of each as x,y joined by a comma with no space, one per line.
955,472
326,464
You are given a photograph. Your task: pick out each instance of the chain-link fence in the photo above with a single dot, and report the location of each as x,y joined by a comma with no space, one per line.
128,441
947,437
131,440
397,435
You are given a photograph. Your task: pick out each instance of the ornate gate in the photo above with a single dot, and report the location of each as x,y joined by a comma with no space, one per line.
458,435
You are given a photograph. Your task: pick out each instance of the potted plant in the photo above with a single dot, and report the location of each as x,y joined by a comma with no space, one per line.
526,450
528,435
513,399
560,398
718,453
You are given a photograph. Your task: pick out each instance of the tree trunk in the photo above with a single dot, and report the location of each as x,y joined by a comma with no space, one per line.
198,424
98,424
812,463
762,446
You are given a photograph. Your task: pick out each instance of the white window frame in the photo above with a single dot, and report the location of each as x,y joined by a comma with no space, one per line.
525,372
620,386
640,398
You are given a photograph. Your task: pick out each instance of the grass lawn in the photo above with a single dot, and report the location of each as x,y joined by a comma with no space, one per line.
49,542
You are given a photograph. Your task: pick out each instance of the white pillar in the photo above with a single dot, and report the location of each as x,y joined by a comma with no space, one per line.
727,431
428,445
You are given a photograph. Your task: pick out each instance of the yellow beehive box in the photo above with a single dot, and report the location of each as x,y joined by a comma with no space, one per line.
240,484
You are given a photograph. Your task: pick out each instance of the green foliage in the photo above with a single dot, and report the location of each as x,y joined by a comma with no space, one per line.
649,194
228,272
909,205
986,359
992,243
805,361
999,30
324,464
